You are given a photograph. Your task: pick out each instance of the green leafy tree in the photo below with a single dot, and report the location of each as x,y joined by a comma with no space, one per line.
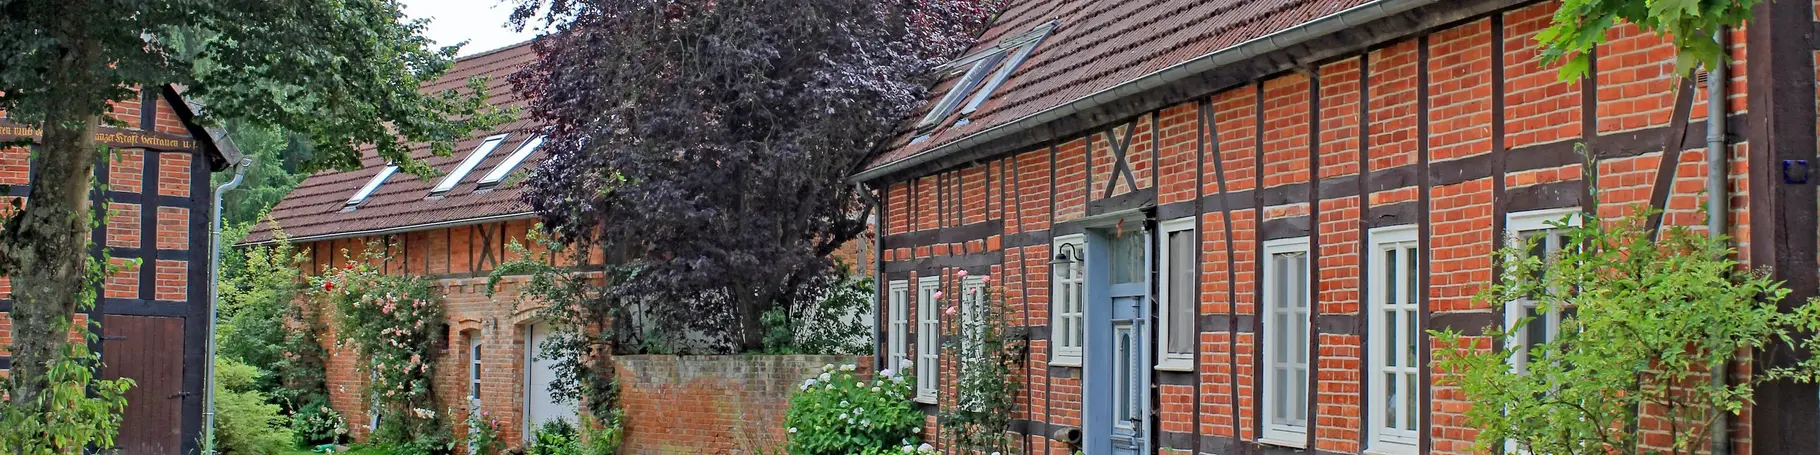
278,157
344,72
1642,320
1580,26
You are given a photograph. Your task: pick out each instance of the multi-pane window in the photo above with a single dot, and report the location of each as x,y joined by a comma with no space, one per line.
474,372
973,318
928,331
1179,295
505,167
1066,304
1540,235
467,165
1392,349
1286,328
898,314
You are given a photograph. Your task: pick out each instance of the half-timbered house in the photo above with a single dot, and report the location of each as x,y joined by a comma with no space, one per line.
1228,226
154,313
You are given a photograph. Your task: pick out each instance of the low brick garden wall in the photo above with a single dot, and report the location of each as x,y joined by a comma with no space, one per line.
732,404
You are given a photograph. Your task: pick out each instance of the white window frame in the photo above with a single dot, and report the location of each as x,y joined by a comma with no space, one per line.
928,341
1515,226
1067,303
467,165
973,306
1284,434
1385,438
1168,359
372,185
505,167
898,302
474,346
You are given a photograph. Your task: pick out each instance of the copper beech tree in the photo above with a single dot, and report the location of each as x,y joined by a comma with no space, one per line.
344,72
709,141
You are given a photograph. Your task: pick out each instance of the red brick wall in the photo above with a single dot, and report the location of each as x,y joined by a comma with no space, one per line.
1272,146
461,258
712,404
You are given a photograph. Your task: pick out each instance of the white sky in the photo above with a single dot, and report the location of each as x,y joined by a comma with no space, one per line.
480,22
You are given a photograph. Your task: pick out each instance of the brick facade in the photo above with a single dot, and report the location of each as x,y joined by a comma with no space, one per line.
1446,131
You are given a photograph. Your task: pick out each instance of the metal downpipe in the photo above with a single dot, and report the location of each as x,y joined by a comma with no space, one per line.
208,387
1718,212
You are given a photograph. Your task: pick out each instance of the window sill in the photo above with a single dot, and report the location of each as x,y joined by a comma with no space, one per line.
924,400
1284,442
1390,448
1066,362
1176,364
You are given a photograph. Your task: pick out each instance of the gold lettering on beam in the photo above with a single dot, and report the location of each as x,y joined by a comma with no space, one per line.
113,137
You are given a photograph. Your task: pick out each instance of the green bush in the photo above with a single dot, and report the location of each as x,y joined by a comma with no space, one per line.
316,423
839,412
555,437
245,422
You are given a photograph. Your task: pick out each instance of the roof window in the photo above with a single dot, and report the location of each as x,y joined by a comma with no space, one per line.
504,168
1018,47
467,165
372,185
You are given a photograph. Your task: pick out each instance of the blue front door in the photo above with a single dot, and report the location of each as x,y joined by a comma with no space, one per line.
1117,357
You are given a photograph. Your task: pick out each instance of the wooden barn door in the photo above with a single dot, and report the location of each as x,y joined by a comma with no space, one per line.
150,351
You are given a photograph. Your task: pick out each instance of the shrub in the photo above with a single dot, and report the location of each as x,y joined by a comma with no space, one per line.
555,437
832,325
483,434
839,412
1643,317
245,422
316,423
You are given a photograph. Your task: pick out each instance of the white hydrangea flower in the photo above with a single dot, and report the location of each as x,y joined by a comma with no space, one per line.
792,430
827,367
827,377
849,367
925,448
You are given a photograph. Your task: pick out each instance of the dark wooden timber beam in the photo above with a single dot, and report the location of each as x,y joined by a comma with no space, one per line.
1782,206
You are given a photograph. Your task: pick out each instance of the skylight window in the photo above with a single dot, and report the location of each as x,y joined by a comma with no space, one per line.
372,185
1019,47
1021,52
960,90
467,165
504,168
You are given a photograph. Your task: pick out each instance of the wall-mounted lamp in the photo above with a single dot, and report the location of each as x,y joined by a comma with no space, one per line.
1068,253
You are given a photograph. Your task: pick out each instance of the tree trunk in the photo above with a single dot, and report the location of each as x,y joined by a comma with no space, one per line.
44,248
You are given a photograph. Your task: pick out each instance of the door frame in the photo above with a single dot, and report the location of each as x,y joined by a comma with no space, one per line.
1097,364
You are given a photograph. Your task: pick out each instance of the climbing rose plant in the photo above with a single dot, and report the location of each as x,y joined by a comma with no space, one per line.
989,351
394,323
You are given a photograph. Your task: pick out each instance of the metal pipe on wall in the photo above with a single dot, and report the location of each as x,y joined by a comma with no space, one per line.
1718,208
208,387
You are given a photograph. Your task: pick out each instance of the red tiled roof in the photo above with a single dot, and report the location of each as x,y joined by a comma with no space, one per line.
1097,45
314,208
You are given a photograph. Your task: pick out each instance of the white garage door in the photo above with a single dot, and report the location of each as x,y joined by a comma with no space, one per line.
540,407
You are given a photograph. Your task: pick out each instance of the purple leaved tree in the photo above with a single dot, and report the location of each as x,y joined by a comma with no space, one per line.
708,142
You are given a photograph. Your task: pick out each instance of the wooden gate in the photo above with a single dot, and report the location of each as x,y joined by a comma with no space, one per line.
150,351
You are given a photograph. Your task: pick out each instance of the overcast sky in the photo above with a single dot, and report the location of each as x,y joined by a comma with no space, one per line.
480,22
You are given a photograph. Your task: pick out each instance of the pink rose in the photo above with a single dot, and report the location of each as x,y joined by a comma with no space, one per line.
937,295
962,274
951,311
985,278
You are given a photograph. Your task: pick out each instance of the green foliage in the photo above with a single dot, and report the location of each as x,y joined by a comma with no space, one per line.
394,322
245,421
555,437
839,412
833,325
1642,320
989,353
278,156
579,323
483,434
316,423
84,411
1580,26
74,411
